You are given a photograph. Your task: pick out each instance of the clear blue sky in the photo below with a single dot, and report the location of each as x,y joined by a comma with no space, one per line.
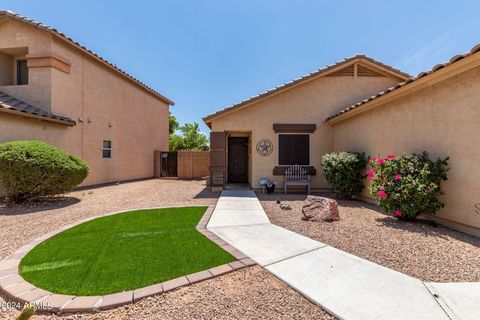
206,55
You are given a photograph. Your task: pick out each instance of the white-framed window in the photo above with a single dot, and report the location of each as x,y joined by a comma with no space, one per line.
107,149
293,149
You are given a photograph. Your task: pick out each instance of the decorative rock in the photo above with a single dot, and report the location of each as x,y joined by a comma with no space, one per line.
320,209
285,206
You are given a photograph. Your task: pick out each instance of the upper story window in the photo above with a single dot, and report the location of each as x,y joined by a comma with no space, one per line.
107,149
22,72
293,149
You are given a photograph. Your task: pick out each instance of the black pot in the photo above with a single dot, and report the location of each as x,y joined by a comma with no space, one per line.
270,187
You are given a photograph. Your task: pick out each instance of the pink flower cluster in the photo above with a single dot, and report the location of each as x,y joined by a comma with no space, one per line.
398,213
382,194
380,161
371,173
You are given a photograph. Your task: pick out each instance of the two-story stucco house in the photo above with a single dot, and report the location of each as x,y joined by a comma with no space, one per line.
54,90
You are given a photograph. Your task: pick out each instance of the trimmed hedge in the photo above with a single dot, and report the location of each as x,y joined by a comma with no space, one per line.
32,169
343,171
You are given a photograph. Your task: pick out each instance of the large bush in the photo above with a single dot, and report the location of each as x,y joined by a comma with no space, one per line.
31,169
344,172
409,185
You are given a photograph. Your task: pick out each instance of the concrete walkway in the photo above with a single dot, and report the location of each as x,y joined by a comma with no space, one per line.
345,285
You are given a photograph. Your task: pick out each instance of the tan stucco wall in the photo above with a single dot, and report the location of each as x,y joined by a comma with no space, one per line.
6,63
23,39
310,102
443,120
110,106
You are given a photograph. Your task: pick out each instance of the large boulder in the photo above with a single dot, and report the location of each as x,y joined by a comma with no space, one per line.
320,209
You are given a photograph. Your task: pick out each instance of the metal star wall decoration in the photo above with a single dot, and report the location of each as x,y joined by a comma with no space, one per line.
264,147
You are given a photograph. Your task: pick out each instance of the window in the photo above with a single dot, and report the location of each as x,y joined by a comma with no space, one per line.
293,149
22,72
107,149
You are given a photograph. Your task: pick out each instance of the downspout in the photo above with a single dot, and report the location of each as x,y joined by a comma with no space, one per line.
83,108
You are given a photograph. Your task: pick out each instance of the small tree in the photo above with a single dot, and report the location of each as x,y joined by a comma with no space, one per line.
30,169
409,185
190,138
343,171
172,124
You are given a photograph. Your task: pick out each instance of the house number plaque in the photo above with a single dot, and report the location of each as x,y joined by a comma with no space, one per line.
264,147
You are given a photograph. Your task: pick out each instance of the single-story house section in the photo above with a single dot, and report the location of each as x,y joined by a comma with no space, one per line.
262,136
55,90
359,105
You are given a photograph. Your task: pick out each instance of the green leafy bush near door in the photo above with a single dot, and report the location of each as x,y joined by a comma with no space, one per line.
33,169
344,172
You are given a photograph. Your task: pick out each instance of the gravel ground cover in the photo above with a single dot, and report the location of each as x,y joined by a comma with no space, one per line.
250,293
417,248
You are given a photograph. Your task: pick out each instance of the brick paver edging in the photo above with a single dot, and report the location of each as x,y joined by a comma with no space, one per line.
14,286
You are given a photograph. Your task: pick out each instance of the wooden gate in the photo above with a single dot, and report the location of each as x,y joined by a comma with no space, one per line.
168,164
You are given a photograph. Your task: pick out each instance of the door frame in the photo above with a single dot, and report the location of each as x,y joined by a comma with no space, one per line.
247,159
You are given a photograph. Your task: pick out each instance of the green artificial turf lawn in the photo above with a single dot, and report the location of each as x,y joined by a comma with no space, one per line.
123,252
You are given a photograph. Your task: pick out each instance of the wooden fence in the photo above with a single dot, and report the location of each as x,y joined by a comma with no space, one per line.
193,164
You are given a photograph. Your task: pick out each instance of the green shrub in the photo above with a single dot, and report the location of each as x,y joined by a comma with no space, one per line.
343,171
31,169
409,185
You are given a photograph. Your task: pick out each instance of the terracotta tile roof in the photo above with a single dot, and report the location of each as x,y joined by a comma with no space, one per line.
400,74
407,82
70,41
16,106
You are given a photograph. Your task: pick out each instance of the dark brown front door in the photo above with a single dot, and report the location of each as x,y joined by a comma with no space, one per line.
237,160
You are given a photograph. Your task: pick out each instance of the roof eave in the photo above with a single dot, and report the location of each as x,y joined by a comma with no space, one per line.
22,114
419,83
329,69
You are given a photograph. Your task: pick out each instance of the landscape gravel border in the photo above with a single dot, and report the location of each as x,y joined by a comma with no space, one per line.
14,286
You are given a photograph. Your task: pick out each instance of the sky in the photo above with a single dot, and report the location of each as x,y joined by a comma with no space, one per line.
206,55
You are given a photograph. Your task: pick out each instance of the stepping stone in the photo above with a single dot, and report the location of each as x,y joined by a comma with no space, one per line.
9,264
82,304
7,273
199,276
18,288
147,292
12,279
116,299
54,302
34,295
236,265
174,283
217,271
247,262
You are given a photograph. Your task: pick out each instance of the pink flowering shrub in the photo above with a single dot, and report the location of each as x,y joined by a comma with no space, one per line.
408,185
